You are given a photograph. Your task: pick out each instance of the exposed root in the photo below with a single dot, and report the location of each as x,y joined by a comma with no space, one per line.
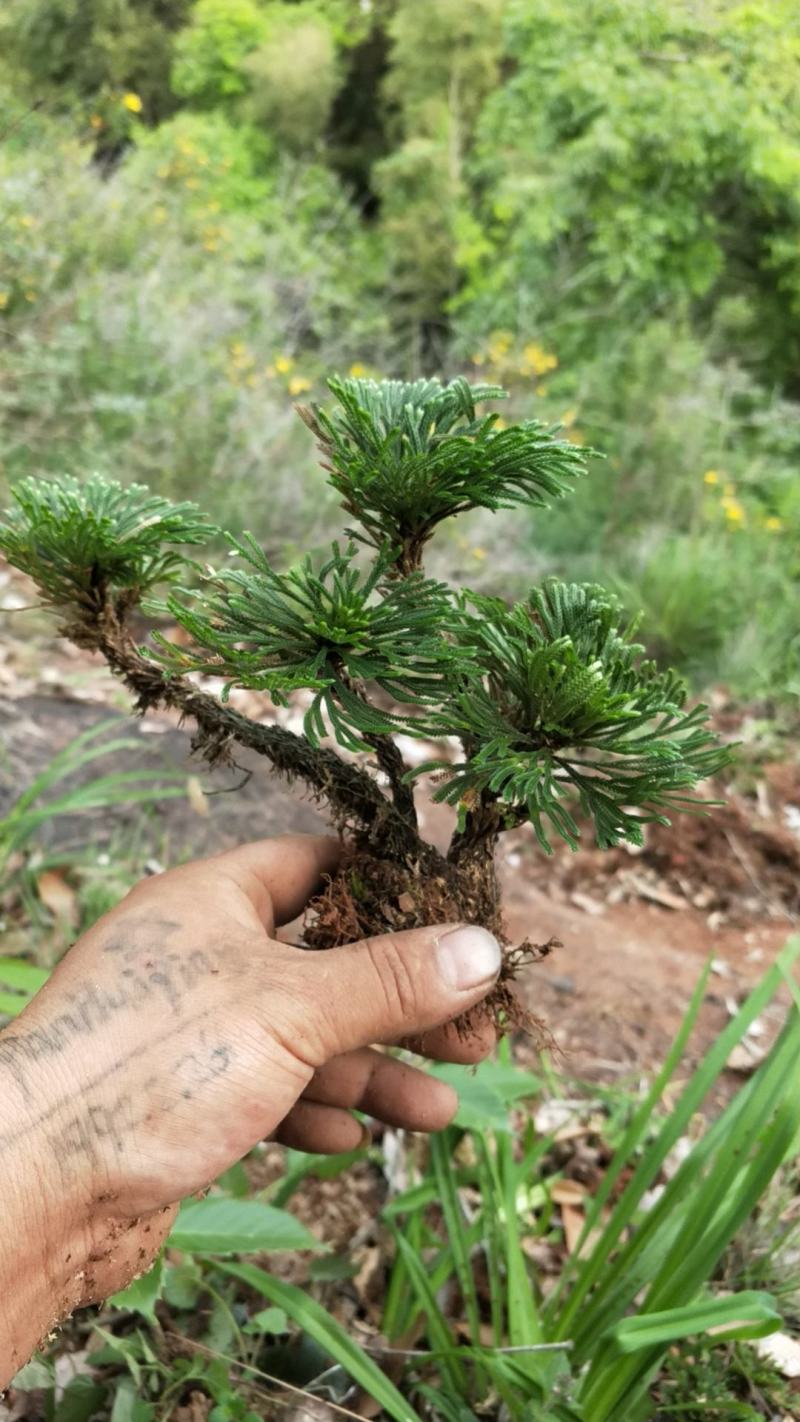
502,1008
369,897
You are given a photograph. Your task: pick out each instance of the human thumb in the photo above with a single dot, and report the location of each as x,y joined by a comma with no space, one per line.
399,985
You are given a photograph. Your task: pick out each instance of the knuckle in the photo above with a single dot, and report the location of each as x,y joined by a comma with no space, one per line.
394,975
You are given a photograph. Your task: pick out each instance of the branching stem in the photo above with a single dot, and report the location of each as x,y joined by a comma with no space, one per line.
355,799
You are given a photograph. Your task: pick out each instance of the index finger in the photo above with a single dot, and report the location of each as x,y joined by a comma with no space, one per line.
280,875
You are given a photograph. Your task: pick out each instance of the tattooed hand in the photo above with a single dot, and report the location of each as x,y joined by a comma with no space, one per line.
176,1034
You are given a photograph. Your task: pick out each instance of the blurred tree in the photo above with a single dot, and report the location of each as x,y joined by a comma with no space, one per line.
211,53
294,75
443,62
274,64
641,155
98,50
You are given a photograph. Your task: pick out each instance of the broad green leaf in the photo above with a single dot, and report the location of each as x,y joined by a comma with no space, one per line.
35,1375
143,1294
479,1108
325,1330
219,1225
128,1406
269,1320
81,1400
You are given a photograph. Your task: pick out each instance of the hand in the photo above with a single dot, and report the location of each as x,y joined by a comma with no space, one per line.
179,1032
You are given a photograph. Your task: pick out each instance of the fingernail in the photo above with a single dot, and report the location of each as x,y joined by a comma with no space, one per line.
468,957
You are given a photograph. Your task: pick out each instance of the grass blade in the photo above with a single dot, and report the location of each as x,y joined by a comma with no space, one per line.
324,1329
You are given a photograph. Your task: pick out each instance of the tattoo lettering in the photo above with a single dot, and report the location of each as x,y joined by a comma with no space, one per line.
92,1006
91,1129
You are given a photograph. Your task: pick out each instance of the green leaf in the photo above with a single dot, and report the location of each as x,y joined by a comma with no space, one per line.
142,1295
269,1320
34,1375
750,1314
21,976
325,1330
485,1092
81,1400
128,1406
220,1225
81,542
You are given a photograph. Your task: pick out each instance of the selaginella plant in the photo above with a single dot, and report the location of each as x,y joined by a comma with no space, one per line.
547,711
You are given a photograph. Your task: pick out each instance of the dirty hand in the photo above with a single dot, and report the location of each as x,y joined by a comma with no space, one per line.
176,1034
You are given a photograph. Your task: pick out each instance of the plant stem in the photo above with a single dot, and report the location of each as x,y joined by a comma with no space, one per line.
355,799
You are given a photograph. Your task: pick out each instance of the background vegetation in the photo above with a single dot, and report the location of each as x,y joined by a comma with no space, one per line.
208,205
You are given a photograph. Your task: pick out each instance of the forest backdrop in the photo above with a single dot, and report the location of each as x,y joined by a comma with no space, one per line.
208,205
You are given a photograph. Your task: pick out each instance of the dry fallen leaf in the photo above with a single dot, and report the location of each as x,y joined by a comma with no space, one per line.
58,896
573,1222
568,1192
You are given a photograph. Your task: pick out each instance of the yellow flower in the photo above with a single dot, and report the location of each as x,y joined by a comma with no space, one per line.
159,214
479,553
569,416
358,371
711,477
283,364
298,385
30,295
499,345
26,220
478,358
536,360
3,300
773,524
132,103
96,121
210,245
733,510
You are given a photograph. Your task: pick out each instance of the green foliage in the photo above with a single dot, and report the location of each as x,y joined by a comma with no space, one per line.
95,51
403,457
509,197
210,53
550,698
294,76
646,151
624,1295
566,708
80,540
331,631
443,62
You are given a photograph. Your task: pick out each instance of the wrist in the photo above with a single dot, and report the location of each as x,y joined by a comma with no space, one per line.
44,1208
